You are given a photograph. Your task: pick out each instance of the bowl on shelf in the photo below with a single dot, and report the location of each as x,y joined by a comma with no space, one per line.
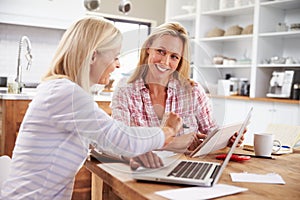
188,8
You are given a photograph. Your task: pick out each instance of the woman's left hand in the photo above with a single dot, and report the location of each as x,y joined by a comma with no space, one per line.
232,139
197,140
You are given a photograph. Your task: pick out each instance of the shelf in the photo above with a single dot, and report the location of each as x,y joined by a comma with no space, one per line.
264,43
231,11
278,65
227,66
186,17
226,38
282,4
286,34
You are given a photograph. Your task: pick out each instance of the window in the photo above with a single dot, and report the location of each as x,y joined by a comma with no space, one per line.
134,33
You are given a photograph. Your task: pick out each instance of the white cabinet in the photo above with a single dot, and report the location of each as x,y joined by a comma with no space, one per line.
265,113
228,110
251,50
41,13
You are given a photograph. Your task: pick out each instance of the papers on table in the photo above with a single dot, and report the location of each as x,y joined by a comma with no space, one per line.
272,178
196,193
288,136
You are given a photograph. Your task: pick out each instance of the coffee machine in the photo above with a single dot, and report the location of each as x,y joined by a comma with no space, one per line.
281,84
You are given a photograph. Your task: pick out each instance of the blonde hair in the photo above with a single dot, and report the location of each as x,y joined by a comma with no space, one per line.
174,29
75,50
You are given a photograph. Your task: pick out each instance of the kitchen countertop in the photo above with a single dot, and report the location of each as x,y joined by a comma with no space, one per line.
29,93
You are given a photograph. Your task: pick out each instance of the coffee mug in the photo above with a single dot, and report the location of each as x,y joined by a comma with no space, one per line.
265,145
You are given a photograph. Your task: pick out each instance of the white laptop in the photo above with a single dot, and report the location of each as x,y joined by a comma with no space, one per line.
190,172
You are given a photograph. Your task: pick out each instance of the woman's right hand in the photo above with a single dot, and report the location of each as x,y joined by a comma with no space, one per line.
171,125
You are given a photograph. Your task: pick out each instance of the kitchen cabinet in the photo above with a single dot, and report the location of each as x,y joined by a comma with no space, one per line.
41,13
251,50
230,110
227,111
12,112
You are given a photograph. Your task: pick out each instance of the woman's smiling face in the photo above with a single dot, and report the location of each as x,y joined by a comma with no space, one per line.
103,65
164,56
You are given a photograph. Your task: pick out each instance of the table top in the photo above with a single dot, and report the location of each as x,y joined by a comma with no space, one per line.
288,166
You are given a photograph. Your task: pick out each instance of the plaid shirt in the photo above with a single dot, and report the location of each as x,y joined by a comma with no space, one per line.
131,104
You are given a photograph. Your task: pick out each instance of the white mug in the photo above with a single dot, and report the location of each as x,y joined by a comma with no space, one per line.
265,145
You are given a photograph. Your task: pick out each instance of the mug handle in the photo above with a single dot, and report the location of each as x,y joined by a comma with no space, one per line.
276,143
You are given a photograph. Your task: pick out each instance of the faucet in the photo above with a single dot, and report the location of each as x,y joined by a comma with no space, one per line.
28,57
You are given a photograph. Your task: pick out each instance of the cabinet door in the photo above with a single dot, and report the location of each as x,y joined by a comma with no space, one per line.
262,115
286,114
228,111
53,14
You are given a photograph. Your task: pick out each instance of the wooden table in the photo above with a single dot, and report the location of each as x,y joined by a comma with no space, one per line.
120,185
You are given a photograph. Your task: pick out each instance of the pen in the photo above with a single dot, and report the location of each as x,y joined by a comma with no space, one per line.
254,156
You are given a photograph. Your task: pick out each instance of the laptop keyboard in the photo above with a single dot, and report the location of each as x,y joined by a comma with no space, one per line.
193,170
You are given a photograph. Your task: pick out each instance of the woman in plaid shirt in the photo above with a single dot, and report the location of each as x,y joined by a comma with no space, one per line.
161,84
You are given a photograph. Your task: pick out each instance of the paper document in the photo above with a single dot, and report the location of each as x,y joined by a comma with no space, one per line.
287,135
196,193
272,178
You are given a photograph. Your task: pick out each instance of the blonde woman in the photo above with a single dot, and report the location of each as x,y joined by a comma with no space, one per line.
161,84
63,119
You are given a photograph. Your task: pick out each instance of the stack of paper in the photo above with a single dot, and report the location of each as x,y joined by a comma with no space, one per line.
288,136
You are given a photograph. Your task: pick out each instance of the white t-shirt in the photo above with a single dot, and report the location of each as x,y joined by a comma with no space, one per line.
52,145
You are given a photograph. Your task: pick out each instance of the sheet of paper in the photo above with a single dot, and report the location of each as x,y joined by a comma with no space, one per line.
196,193
164,154
286,134
271,178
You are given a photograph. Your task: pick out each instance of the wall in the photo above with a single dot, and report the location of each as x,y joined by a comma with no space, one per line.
45,40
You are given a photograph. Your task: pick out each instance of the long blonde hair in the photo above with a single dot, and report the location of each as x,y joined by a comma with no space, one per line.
75,50
174,29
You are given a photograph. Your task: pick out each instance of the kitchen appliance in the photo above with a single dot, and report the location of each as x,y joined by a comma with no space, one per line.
296,86
281,84
244,87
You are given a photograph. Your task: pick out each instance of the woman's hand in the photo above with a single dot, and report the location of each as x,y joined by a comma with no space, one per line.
148,160
197,140
171,125
232,139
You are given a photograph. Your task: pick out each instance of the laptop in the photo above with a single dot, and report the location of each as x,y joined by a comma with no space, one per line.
191,172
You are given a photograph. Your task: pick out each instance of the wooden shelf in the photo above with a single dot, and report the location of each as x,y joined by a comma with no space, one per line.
246,98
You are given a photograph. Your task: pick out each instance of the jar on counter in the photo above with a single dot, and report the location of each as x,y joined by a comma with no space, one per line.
244,87
296,91
234,86
12,86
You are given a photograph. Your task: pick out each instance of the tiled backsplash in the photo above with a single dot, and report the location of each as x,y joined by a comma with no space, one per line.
44,42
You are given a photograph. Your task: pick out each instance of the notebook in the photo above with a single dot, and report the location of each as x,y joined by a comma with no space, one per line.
191,172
